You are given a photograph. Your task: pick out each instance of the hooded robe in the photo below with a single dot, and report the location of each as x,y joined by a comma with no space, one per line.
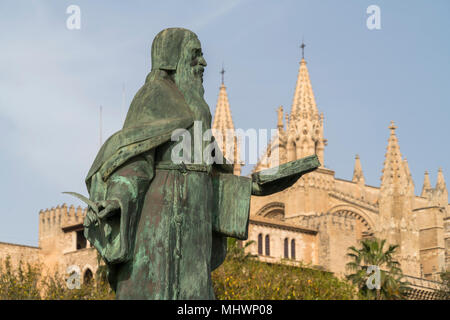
161,245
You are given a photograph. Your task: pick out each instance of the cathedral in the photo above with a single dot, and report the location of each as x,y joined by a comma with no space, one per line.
320,216
313,222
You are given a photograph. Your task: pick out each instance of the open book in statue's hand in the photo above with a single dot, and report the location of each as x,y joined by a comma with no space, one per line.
278,178
231,205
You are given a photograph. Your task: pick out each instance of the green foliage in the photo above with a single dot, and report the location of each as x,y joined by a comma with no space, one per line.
20,284
243,277
27,281
240,277
235,252
372,253
55,288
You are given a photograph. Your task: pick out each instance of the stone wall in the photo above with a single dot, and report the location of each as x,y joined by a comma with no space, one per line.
336,232
84,259
432,242
305,241
18,253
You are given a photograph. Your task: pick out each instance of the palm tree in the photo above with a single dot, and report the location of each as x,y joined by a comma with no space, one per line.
238,252
445,287
372,254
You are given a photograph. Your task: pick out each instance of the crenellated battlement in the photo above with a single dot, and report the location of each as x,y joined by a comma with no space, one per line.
52,220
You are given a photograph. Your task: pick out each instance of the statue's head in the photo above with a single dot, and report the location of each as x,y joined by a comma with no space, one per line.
178,51
176,57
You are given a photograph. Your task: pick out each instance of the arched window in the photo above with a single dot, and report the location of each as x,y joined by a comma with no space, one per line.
260,244
88,276
293,249
267,245
286,248
273,210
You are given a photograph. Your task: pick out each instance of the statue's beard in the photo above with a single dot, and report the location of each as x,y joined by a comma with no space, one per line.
189,81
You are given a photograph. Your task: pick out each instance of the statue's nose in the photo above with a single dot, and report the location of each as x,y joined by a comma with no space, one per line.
202,61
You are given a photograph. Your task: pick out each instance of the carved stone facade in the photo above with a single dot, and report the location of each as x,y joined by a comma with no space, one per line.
320,216
339,213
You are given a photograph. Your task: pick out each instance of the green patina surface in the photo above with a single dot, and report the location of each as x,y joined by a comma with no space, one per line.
162,231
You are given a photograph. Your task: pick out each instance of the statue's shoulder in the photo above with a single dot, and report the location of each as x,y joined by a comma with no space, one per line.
160,87
158,98
157,109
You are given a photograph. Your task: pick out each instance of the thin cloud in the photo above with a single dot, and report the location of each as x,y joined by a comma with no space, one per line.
225,8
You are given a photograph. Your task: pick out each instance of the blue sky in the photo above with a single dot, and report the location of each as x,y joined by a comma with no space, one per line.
53,80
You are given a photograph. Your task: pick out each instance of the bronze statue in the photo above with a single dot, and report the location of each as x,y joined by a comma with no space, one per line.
161,226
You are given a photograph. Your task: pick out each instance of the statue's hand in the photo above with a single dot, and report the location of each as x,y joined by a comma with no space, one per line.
91,218
107,208
256,189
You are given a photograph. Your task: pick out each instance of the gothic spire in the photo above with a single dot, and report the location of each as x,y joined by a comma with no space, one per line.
440,192
303,96
358,175
222,116
305,122
303,132
409,179
440,182
426,185
393,173
406,168
280,118
224,127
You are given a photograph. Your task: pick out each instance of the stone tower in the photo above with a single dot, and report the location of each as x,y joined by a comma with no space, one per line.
302,134
435,228
223,128
305,127
397,221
